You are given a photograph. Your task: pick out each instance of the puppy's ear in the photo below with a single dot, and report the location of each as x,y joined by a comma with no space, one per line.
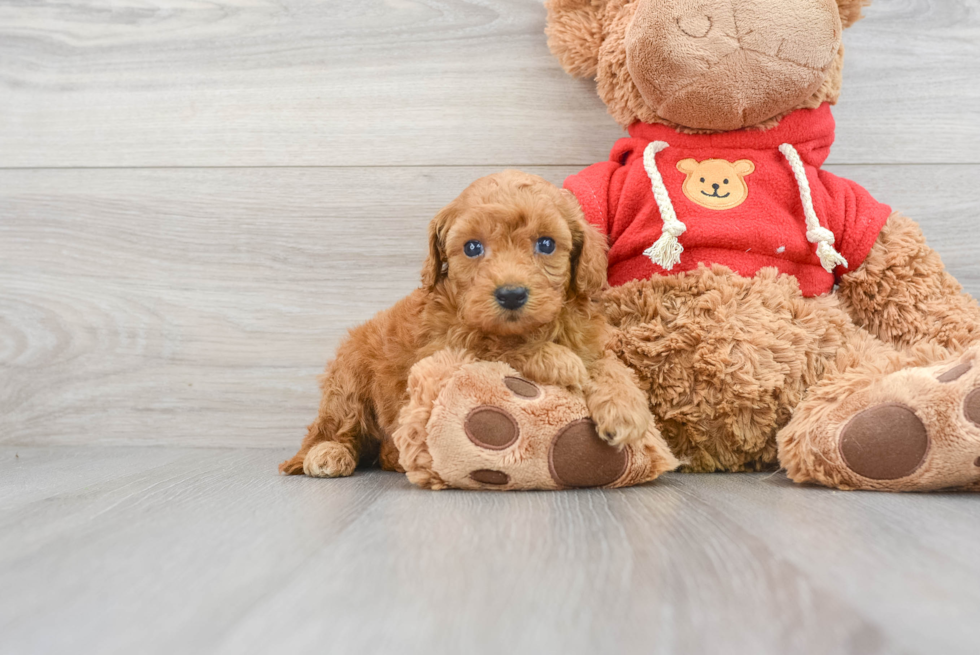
436,263
588,250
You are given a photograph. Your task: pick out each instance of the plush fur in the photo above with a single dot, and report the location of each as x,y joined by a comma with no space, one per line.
746,373
446,388
557,338
589,37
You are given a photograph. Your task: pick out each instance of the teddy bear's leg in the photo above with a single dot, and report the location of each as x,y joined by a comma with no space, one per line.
903,294
884,419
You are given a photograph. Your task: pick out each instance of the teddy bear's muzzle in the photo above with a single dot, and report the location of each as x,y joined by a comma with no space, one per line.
727,64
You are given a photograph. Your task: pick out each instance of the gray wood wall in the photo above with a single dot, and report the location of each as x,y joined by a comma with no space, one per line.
198,199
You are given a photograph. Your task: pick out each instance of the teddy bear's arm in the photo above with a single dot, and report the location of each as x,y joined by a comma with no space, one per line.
903,294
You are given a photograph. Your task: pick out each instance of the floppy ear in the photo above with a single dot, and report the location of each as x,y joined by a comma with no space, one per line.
435,268
588,250
744,167
575,33
850,10
687,166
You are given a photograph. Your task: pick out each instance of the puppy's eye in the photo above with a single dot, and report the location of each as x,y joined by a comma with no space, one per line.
545,246
702,180
473,248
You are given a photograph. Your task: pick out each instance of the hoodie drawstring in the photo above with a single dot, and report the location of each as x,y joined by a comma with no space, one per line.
815,233
666,252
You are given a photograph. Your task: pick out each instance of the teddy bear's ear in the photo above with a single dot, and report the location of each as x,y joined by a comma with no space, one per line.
744,167
850,10
687,166
575,34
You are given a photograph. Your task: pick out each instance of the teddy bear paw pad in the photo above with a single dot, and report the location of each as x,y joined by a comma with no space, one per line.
885,442
955,373
521,387
579,458
491,427
971,407
490,476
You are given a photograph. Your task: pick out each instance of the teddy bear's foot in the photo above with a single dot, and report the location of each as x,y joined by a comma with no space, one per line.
917,429
489,428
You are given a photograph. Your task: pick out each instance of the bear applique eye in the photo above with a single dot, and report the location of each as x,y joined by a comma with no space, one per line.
726,181
702,180
473,249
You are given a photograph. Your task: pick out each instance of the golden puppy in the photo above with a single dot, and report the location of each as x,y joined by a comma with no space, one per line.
512,272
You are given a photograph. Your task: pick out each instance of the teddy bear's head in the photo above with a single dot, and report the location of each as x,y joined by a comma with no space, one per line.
704,65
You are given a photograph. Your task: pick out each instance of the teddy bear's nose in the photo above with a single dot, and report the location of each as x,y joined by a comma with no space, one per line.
728,64
716,186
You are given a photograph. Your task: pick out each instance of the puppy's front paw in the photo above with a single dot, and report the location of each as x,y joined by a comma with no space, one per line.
557,366
329,460
620,419
571,373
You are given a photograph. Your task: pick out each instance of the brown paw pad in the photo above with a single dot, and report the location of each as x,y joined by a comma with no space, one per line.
489,476
521,387
971,406
955,373
579,458
886,442
491,427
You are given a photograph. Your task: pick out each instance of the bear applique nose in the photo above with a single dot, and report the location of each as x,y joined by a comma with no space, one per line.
715,186
511,297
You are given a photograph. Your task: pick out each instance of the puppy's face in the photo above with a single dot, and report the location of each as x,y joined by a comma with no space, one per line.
508,251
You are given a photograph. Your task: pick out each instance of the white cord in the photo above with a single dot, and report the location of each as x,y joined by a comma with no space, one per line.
815,233
666,252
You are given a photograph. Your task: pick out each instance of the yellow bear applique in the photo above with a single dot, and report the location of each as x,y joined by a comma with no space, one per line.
716,183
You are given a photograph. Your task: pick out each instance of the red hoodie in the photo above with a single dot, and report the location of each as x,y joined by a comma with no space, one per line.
738,201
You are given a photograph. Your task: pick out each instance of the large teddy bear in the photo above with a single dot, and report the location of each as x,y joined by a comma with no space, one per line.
776,315
774,312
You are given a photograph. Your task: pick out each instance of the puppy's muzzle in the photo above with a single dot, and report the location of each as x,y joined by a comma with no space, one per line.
511,297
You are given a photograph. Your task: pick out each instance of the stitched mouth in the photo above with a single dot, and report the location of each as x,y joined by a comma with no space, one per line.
715,194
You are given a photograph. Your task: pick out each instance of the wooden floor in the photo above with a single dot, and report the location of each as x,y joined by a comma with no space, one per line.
197,200
183,550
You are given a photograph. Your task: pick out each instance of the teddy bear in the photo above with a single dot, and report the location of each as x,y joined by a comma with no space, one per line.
776,315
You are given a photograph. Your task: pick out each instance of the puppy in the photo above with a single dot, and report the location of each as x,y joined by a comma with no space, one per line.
512,274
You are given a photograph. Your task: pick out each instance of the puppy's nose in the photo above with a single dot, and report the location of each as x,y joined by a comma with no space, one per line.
715,186
511,297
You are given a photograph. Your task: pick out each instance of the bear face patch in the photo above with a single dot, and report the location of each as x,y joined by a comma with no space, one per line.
716,183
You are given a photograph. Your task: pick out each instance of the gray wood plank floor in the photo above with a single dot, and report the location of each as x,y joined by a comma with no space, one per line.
167,550
197,200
